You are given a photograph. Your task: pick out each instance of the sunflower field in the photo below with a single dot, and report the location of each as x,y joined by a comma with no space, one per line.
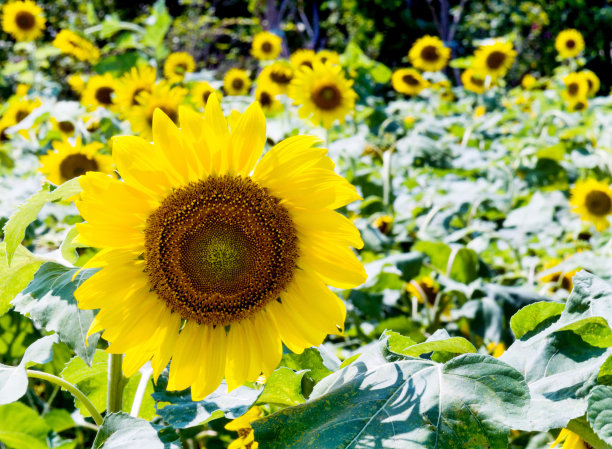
298,224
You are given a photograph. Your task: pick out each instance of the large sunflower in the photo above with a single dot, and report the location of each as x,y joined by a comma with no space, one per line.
137,80
576,87
24,20
494,59
323,94
280,73
220,258
69,161
100,91
592,199
408,81
429,54
236,82
77,46
266,46
569,43
177,65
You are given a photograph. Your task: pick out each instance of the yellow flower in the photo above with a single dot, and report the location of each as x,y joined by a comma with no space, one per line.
424,290
65,127
177,65
303,58
592,199
236,82
266,46
496,349
323,94
570,440
384,223
200,92
22,90
242,425
429,54
578,104
528,81
162,96
563,279
494,59
77,46
69,161
473,81
408,81
479,111
280,73
4,125
266,94
139,79
328,56
100,91
592,81
77,83
24,20
221,259
18,109
576,87
569,43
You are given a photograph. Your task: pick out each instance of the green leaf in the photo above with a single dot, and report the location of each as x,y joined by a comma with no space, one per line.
310,360
59,420
410,404
15,278
154,33
529,317
49,300
439,341
122,431
14,229
460,263
118,64
283,387
21,427
599,412
14,379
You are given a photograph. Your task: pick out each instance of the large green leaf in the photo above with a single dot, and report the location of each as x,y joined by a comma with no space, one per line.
49,300
283,387
599,412
15,278
440,341
122,431
21,427
411,403
529,317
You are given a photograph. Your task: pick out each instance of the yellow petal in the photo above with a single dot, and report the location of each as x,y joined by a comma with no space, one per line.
237,357
247,140
216,135
183,368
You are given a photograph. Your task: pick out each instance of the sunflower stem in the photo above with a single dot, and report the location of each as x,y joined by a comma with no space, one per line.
114,398
145,375
95,414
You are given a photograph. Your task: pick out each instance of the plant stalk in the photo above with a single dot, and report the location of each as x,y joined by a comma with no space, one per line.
114,398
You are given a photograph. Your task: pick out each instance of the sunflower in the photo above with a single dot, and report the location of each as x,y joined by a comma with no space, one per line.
570,440
177,65
529,81
18,109
266,94
408,81
576,87
236,82
72,44
323,94
69,161
563,279
473,81
200,93
221,259
77,83
138,79
495,59
242,425
65,127
328,56
384,223
280,73
24,20
592,81
578,104
429,54
569,43
592,199
496,349
424,290
266,46
100,91
162,96
303,58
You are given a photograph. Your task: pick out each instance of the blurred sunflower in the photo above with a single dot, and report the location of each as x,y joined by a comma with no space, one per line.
200,92
24,20
563,279
423,289
496,349
570,440
592,199
266,94
177,65
578,104
18,109
576,87
384,223
323,94
569,43
303,58
473,81
592,81
429,54
528,81
494,59
236,82
266,46
280,73
100,91
72,44
162,96
242,425
65,127
328,56
408,81
68,161
221,258
139,79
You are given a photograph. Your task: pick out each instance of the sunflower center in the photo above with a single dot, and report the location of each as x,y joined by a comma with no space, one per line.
266,47
265,99
220,249
410,80
306,64
598,202
66,126
76,165
25,20
327,96
570,43
579,106
21,114
495,59
135,95
169,111
180,69
477,81
103,95
237,83
430,53
572,89
280,78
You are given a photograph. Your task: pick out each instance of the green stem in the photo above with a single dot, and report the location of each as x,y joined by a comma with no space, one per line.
145,375
95,414
114,398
